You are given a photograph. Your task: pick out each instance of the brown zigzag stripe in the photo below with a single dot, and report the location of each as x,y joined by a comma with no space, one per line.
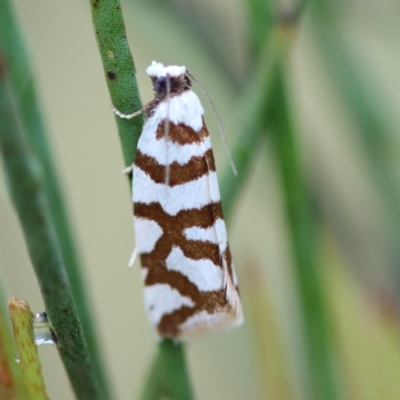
178,174
212,302
157,273
203,217
205,300
175,226
181,133
169,326
196,251
155,264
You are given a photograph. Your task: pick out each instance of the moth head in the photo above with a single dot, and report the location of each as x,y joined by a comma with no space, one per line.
176,75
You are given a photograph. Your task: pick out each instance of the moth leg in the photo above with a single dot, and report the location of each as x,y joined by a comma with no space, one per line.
145,109
133,257
127,116
127,170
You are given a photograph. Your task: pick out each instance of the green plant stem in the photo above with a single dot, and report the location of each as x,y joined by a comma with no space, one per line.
168,377
265,107
22,81
302,230
262,17
21,317
119,70
11,382
251,131
168,373
354,90
25,184
255,112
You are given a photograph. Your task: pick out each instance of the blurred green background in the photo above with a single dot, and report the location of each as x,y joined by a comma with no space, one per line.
343,80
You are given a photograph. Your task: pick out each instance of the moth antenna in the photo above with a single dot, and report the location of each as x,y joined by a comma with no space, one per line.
166,128
221,130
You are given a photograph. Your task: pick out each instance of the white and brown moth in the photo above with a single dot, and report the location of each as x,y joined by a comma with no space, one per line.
191,288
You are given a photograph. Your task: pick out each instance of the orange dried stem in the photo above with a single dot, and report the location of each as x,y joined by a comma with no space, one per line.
21,318
11,385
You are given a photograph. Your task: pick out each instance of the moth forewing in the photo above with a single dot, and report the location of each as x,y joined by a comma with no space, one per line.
191,288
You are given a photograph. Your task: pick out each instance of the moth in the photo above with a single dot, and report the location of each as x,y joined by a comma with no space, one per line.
191,288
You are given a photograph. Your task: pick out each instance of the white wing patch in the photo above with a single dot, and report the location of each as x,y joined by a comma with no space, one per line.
176,152
147,234
183,109
202,323
194,194
214,234
203,273
221,234
144,272
202,318
161,299
235,278
202,234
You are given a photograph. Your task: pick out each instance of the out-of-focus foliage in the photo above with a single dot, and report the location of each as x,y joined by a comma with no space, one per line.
340,78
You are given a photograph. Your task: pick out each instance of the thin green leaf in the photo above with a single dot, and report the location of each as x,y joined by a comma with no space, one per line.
322,373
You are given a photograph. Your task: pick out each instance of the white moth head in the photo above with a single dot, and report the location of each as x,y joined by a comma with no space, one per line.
158,70
178,80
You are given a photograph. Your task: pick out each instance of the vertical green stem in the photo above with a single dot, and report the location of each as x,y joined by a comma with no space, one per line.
119,71
303,235
265,108
27,103
168,374
25,184
367,112
254,107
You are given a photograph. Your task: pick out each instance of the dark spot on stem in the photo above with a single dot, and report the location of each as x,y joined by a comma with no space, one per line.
96,3
111,75
2,66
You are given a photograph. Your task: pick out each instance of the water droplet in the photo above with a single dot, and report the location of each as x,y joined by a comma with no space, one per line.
42,330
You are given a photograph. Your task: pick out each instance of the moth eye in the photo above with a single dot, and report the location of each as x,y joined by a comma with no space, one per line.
160,84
